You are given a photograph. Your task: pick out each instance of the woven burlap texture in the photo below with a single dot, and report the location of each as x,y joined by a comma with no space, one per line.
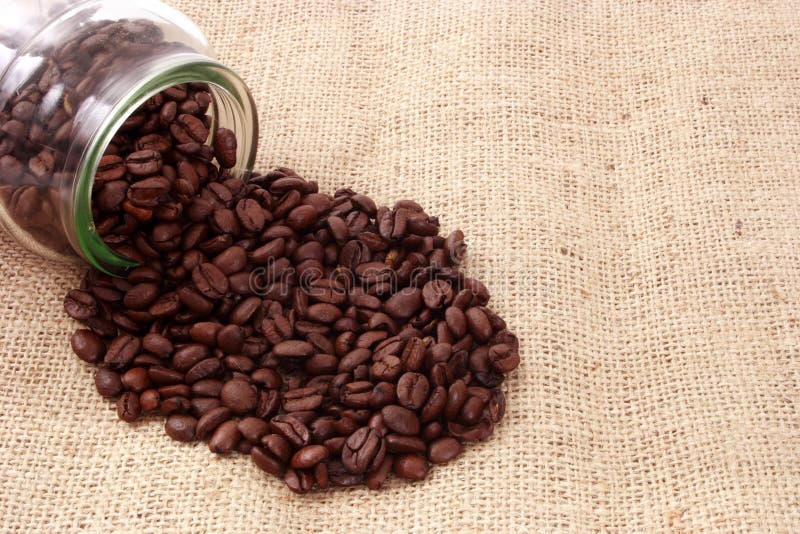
626,174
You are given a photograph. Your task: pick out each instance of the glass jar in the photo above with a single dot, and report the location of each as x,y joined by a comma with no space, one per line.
72,74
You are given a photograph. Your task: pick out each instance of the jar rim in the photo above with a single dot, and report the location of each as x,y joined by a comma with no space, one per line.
234,107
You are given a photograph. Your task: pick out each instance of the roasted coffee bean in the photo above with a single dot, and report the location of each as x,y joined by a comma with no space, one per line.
253,429
144,163
477,432
400,420
479,324
353,359
291,429
209,422
504,360
122,350
225,437
128,407
301,399
497,406
410,466
225,147
437,294
309,456
456,397
397,444
136,379
80,305
293,349
278,446
181,427
363,451
149,400
443,450
412,390
210,281
88,346
108,382
230,339
267,462
239,395
404,304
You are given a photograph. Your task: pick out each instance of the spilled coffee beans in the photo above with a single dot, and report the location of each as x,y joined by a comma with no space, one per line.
333,340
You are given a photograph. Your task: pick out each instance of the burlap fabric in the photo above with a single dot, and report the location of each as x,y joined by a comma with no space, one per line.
626,174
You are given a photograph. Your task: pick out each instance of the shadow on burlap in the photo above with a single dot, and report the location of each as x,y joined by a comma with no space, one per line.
627,179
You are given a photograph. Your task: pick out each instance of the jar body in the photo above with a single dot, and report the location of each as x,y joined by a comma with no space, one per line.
72,74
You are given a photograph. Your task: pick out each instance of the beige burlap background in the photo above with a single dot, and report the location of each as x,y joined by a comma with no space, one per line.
627,177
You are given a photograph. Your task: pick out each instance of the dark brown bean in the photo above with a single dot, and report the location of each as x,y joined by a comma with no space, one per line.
88,346
412,390
128,407
309,456
181,427
225,437
443,450
411,466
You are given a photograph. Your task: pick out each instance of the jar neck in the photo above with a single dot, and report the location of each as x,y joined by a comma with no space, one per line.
232,107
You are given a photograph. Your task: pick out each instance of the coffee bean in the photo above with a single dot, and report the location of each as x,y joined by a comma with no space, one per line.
404,304
437,294
503,359
128,407
210,281
225,147
479,324
412,390
291,429
212,419
456,397
410,466
80,305
144,163
497,405
188,128
353,359
293,349
136,379
375,479
323,313
278,446
149,400
253,429
110,168
88,346
401,420
301,399
397,443
477,432
225,437
363,451
181,427
267,462
141,296
240,396
309,456
108,382
122,350
443,450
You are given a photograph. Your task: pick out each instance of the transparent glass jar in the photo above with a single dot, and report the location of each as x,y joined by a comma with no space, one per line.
71,74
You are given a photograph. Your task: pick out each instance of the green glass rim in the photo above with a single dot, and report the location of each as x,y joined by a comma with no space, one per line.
90,245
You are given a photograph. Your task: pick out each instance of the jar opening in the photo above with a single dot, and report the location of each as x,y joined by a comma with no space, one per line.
232,107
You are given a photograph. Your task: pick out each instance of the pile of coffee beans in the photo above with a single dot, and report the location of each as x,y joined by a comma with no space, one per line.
333,340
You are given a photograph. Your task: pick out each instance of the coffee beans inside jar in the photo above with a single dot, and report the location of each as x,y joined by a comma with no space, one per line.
333,340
